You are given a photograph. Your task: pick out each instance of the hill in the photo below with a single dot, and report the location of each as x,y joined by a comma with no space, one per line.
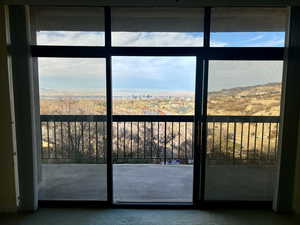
259,100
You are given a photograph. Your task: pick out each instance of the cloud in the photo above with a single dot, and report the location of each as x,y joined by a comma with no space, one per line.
74,38
148,67
150,72
138,39
72,67
176,73
275,42
255,38
156,39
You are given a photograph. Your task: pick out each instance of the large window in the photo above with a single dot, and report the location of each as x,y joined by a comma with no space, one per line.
158,105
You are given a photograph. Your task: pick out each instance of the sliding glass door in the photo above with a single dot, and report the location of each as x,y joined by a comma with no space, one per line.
242,130
73,105
73,129
243,105
153,107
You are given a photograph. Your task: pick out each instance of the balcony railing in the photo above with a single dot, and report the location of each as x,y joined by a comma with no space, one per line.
158,139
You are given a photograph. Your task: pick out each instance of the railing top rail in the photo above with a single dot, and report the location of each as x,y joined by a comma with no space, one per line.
158,118
153,118
72,118
244,119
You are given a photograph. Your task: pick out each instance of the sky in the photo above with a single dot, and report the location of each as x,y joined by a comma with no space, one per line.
155,73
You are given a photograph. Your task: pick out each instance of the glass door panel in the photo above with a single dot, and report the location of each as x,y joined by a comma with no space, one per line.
73,129
243,123
153,107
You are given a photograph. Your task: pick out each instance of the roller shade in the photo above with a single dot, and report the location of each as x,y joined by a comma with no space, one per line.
249,19
68,18
157,19
160,19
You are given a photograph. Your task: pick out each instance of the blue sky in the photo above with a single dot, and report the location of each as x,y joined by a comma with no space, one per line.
249,39
152,73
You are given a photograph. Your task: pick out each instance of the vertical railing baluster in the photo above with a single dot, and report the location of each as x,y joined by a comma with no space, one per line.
89,143
165,148
54,133
151,143
96,127
185,137
262,141
75,141
227,135
213,140
269,140
242,134
124,141
69,140
158,149
248,142
48,140
42,129
220,138
255,133
192,138
104,140
276,141
172,140
117,153
234,139
138,140
179,133
144,139
131,139
82,137
62,141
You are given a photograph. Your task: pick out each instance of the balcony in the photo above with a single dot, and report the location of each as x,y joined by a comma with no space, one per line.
159,148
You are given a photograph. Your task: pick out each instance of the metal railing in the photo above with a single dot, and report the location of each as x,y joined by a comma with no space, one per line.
158,139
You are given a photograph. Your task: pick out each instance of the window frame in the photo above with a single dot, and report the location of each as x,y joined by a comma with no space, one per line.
203,56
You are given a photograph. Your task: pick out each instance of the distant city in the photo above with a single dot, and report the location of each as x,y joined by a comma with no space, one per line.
251,100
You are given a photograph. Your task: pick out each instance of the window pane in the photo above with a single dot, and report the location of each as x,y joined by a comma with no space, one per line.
242,129
157,27
75,26
153,85
244,88
73,129
248,27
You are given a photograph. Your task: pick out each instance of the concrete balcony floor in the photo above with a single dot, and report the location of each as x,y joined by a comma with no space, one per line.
154,182
132,182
